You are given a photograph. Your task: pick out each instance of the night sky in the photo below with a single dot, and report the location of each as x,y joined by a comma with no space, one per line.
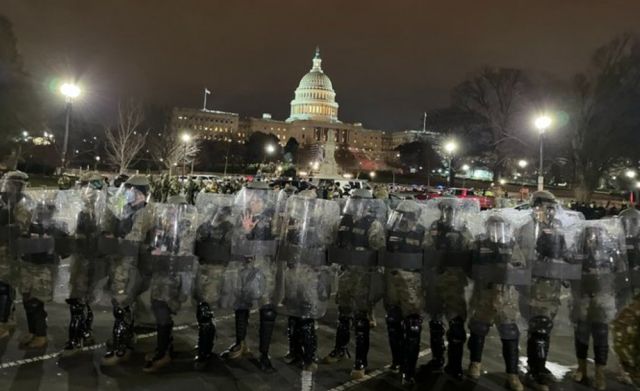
388,62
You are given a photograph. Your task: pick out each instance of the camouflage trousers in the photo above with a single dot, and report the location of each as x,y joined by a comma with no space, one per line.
626,339
307,290
544,297
249,283
36,281
359,289
445,294
494,304
600,308
403,289
169,288
8,266
125,280
208,284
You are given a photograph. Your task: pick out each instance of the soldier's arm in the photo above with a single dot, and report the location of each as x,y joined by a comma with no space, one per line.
22,216
377,237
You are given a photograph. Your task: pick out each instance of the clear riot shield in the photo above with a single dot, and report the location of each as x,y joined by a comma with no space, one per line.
10,196
452,223
309,230
552,238
499,256
255,234
599,246
406,231
213,236
39,242
361,233
630,219
172,238
119,224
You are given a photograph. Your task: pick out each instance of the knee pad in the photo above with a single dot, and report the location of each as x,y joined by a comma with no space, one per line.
6,301
509,331
33,305
307,325
268,314
479,328
162,312
540,325
361,322
582,332
456,333
600,333
204,313
413,326
394,315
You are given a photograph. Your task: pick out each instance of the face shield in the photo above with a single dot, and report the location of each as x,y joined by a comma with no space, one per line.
631,225
592,239
10,190
498,231
447,215
402,221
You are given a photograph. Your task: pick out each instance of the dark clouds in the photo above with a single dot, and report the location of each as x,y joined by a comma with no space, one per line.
388,60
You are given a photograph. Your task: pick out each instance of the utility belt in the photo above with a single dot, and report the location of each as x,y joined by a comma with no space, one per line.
593,284
407,261
254,248
212,253
347,257
36,245
118,246
557,270
165,263
300,255
501,273
443,260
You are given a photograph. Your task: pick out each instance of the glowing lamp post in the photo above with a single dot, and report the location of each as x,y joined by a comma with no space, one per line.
70,91
186,139
450,148
542,123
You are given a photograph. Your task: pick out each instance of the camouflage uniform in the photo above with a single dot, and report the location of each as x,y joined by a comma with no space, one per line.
449,258
13,220
361,236
404,296
626,339
128,222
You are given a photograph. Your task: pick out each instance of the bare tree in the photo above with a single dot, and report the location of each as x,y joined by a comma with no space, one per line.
171,150
126,139
494,97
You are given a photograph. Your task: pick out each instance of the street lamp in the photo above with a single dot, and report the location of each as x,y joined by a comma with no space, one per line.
70,91
542,123
630,174
97,158
465,168
450,147
186,139
372,174
522,163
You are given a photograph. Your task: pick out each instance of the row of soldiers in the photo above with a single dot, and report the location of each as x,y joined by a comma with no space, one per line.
281,253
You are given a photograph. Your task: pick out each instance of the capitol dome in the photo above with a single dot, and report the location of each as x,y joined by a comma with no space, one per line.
315,98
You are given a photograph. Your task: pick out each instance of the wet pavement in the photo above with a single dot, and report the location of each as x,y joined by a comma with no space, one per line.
46,370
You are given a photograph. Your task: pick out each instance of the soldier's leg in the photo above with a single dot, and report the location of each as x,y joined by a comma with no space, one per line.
456,336
122,336
294,337
600,333
340,350
362,329
412,331
510,335
309,343
239,348
77,325
478,331
6,308
395,330
206,334
267,323
37,323
540,327
37,289
164,326
581,335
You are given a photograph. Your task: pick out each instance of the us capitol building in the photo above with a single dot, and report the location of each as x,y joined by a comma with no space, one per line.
314,112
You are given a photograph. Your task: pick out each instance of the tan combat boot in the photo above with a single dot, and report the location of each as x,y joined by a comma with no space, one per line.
6,329
114,358
580,374
357,374
600,383
236,351
157,363
514,383
25,339
37,343
475,370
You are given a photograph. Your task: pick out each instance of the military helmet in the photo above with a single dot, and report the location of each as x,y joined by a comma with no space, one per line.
542,197
15,176
139,182
361,193
308,194
498,230
177,199
630,219
258,185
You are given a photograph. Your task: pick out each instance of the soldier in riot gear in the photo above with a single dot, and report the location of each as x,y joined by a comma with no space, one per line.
307,233
169,260
361,236
253,269
449,259
213,250
12,187
551,265
630,219
404,296
600,249
499,266
83,268
125,228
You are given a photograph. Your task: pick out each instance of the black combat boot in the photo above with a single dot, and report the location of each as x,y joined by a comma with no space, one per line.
267,323
206,335
37,325
239,348
294,355
436,338
362,330
412,331
340,351
77,326
122,339
456,336
309,344
395,331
